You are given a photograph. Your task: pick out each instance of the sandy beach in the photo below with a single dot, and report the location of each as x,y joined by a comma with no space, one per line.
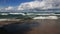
46,26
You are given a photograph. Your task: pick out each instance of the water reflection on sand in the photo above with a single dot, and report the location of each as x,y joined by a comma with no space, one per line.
43,26
18,27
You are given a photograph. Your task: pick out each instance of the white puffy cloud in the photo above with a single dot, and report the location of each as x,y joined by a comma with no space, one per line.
9,8
45,4
29,5
0,9
37,4
52,4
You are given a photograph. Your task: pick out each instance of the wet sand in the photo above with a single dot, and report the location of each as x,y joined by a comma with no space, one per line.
46,26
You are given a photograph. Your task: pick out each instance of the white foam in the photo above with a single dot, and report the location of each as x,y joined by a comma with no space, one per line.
9,19
3,19
48,17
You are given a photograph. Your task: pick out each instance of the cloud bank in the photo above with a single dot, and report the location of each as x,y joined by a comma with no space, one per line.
45,4
31,5
37,4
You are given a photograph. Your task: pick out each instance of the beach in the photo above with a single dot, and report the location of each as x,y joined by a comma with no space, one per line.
45,26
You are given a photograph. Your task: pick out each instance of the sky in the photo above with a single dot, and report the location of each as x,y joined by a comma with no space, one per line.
34,5
5,3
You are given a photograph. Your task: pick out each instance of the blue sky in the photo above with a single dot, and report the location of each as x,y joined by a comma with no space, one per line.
17,5
5,3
